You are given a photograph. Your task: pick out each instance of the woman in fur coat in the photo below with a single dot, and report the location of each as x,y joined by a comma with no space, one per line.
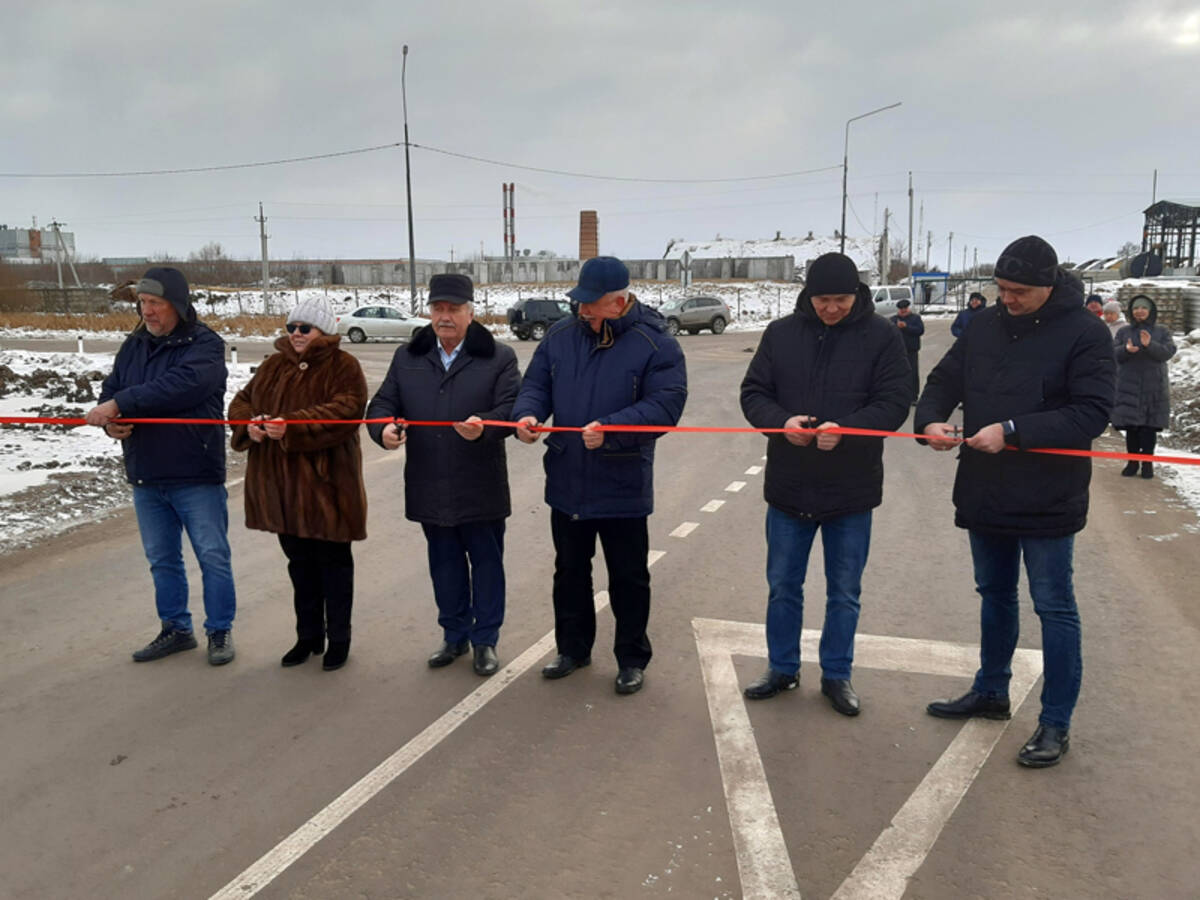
304,482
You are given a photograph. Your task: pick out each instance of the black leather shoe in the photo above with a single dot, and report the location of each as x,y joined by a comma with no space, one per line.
302,650
448,653
841,695
1046,748
486,662
969,705
564,665
1131,469
335,656
769,684
630,680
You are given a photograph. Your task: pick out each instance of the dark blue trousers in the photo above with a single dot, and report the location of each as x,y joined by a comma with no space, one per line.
466,563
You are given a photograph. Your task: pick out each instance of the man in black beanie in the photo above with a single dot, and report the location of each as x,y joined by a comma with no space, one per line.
831,363
1048,382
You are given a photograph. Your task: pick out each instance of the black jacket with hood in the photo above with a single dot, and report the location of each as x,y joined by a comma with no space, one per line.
854,373
1051,372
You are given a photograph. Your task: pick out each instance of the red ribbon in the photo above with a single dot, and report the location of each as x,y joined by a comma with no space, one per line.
619,429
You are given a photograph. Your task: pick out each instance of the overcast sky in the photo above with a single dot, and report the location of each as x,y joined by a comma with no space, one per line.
1020,117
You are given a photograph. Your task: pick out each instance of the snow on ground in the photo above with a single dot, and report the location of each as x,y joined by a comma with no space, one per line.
53,477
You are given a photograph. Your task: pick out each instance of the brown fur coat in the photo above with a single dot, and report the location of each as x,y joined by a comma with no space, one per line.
309,483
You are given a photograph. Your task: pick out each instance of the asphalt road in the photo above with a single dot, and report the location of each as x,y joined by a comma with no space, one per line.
174,779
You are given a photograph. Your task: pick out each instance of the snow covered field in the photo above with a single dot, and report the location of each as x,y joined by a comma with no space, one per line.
54,477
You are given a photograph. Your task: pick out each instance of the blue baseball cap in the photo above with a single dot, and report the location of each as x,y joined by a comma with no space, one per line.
599,276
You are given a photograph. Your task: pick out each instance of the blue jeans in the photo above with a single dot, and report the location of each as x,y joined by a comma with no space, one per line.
846,540
470,598
1048,566
163,512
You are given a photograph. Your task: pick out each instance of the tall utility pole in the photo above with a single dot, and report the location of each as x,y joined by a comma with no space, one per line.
62,252
412,253
975,264
928,248
949,256
910,230
846,164
1154,189
266,269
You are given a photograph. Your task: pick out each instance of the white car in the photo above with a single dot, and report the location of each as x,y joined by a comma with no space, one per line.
378,322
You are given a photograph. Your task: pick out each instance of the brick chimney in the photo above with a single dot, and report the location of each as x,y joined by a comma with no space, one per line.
589,235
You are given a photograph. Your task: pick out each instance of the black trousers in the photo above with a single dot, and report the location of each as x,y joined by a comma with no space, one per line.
1141,439
626,544
322,574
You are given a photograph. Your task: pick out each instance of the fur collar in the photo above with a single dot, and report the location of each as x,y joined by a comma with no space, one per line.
478,342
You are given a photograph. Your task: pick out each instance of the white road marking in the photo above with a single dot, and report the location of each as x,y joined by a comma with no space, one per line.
734,486
712,506
754,470
278,859
884,872
654,556
684,529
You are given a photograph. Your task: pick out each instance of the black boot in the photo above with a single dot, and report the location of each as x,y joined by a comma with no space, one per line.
1131,469
301,651
769,684
1147,470
335,656
1046,748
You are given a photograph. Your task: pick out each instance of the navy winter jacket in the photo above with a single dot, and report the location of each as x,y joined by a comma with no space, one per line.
1143,386
1052,373
179,376
630,373
854,373
911,332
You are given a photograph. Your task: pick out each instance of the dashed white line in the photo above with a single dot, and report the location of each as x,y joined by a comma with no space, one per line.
684,529
712,506
754,470
654,556
734,486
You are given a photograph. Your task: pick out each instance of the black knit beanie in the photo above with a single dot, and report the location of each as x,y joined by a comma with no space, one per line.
1028,260
832,273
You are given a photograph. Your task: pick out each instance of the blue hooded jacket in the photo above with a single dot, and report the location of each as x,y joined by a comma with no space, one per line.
178,375
630,373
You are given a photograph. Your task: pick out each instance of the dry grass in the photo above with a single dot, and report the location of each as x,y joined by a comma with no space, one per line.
125,321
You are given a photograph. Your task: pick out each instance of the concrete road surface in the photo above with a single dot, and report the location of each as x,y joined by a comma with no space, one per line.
388,779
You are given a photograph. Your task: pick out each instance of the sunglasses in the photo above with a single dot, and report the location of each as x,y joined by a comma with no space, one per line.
296,326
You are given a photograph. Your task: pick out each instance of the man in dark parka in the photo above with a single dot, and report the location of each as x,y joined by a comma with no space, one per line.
831,363
455,479
1035,372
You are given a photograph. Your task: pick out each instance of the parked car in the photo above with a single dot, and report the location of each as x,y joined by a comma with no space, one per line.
691,314
886,296
530,317
378,322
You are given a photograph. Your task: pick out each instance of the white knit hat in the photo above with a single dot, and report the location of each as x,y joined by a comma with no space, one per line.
314,311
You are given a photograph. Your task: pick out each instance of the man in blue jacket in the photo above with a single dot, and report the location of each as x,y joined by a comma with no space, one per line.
172,366
613,365
832,363
1036,372
911,328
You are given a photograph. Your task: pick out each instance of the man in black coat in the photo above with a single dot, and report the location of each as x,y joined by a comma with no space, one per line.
455,480
832,363
911,328
1036,372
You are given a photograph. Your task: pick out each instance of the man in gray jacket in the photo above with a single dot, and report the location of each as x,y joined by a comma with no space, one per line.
455,480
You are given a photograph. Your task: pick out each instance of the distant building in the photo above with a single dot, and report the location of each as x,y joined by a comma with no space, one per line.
1172,231
34,244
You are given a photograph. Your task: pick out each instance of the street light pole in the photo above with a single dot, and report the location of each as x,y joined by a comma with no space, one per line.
846,162
412,256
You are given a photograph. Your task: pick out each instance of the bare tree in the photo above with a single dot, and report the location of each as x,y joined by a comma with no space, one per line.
1129,248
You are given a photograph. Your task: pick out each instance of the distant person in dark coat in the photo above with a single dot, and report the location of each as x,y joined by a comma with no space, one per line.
831,363
613,365
911,328
1143,406
455,481
1095,305
975,303
173,366
1047,381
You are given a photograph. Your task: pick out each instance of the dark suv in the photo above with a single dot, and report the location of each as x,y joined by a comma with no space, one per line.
531,316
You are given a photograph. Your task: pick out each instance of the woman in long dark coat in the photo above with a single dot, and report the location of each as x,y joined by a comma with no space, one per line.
305,482
1143,406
